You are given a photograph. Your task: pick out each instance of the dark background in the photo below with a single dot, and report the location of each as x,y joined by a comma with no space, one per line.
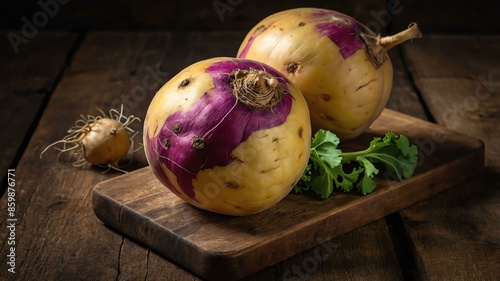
446,16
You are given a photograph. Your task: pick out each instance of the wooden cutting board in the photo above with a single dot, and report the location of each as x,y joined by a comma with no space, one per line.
219,247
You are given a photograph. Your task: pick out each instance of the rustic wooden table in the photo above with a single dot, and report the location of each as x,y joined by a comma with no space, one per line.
56,76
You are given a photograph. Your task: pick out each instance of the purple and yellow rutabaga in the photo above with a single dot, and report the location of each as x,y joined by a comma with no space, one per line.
228,135
340,66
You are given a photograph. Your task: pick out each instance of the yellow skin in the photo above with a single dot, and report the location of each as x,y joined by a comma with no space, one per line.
344,95
270,161
99,140
106,143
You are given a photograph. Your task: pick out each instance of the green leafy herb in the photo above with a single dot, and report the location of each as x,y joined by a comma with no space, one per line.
330,168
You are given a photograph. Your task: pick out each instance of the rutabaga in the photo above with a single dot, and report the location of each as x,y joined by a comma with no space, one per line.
227,135
340,65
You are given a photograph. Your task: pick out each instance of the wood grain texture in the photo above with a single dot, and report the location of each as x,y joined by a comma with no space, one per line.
28,78
404,97
454,236
57,233
340,257
222,247
459,78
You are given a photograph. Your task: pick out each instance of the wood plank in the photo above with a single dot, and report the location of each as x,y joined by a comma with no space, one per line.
404,97
458,78
344,258
28,78
57,233
455,235
138,205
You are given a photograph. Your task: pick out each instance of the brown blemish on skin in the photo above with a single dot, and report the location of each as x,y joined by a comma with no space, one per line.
326,117
301,130
302,23
261,28
292,67
184,83
364,85
165,143
177,128
269,170
233,185
198,143
326,97
156,128
238,160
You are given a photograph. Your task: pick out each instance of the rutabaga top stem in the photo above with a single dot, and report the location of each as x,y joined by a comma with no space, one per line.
377,46
411,32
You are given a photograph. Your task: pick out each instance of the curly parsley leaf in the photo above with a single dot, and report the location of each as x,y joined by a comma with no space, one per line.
326,170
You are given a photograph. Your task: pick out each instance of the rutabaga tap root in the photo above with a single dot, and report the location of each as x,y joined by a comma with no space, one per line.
99,140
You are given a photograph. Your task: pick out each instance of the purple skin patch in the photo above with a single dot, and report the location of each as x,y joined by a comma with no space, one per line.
343,30
257,32
219,120
340,28
247,46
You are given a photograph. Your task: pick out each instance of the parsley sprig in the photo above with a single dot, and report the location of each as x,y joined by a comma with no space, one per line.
330,168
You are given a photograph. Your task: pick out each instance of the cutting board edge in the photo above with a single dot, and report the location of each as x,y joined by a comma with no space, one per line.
238,263
234,261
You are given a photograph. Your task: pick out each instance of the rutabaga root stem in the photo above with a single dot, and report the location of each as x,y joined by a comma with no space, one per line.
411,32
256,89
